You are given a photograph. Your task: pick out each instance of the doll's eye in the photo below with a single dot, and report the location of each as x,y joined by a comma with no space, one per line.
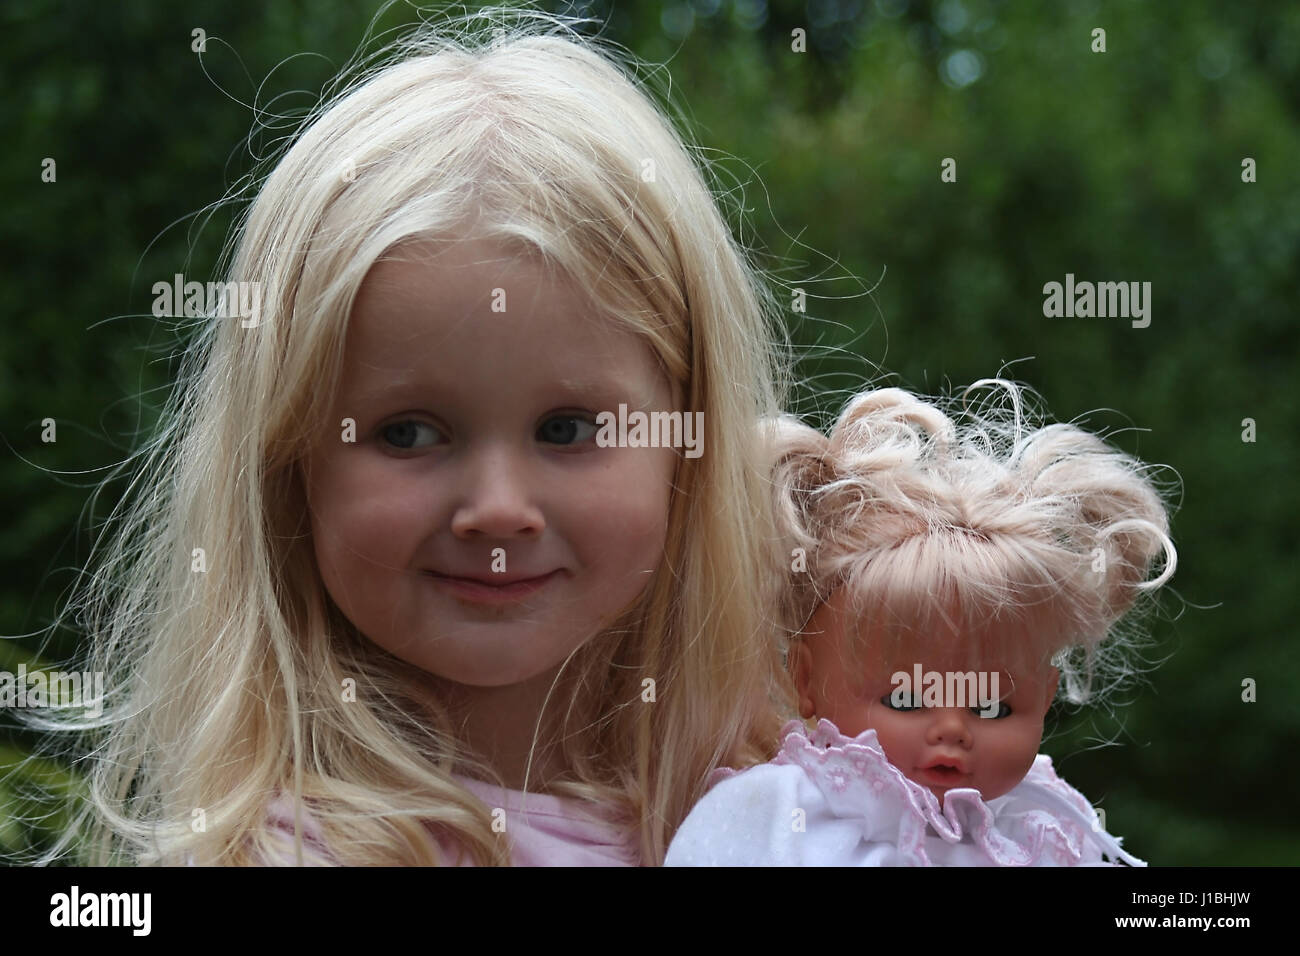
1003,711
900,701
566,430
407,434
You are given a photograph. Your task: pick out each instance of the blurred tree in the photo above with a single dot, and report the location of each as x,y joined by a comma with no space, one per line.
1122,165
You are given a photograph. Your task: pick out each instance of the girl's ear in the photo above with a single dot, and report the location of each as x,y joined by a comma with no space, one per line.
801,669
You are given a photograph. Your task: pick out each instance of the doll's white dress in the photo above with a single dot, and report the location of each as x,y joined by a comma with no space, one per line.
831,800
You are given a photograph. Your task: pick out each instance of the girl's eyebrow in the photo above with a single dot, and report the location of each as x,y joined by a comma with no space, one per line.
398,385
602,384
635,394
589,383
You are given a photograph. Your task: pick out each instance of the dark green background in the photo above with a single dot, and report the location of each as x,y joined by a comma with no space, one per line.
1123,165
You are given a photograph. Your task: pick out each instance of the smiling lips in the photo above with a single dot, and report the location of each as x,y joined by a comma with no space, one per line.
497,590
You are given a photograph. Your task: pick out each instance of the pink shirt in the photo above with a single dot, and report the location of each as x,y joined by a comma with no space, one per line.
543,829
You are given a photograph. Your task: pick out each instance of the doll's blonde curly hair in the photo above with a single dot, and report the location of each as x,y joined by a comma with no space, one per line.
963,517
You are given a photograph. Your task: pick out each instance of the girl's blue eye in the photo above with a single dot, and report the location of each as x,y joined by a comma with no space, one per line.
566,430
888,701
406,434
1003,711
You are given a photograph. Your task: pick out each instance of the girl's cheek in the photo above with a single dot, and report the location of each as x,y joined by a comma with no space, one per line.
356,502
362,477
635,496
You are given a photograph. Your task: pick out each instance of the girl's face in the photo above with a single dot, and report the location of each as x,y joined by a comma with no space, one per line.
473,527
941,747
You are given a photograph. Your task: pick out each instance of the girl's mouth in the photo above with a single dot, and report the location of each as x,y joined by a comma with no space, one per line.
480,592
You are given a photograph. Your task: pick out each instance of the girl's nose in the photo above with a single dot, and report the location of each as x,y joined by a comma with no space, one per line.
949,725
497,499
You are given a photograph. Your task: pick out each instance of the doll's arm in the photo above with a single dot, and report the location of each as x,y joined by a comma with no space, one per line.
737,823
771,815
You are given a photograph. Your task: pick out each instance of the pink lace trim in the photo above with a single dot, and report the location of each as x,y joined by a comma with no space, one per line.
857,780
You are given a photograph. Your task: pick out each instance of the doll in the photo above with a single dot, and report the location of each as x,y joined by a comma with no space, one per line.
963,568
437,621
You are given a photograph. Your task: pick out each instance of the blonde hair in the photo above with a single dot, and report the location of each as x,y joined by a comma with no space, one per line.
225,685
969,521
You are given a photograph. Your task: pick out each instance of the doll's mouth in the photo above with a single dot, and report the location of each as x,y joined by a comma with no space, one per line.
943,774
955,764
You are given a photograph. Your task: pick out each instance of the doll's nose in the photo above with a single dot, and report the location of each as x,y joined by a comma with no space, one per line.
949,726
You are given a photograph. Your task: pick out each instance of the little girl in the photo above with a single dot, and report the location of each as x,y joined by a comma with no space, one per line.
970,565
383,595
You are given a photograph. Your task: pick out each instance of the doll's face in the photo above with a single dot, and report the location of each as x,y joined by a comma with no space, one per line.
473,527
940,747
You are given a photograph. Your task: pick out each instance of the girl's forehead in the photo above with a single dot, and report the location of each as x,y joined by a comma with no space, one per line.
426,289
444,313
468,278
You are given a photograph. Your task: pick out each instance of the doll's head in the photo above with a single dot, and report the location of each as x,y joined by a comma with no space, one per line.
951,708
960,567
419,559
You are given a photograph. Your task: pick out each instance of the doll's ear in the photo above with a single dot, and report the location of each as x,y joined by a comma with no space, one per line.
801,667
1053,683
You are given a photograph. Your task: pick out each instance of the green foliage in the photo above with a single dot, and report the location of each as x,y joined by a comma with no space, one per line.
1123,165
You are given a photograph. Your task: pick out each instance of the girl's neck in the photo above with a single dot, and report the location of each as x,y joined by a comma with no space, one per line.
497,725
